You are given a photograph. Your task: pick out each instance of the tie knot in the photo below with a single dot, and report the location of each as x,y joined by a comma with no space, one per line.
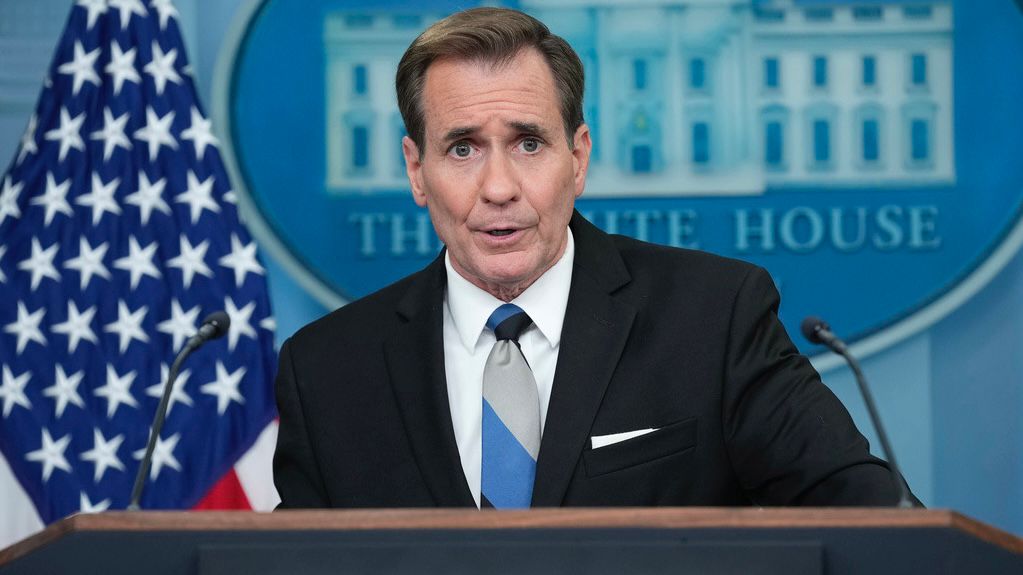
508,322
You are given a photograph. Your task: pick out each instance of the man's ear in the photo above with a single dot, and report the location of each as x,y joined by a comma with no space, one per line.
581,146
414,170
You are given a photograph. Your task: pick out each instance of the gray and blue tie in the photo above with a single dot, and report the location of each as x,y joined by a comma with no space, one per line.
511,415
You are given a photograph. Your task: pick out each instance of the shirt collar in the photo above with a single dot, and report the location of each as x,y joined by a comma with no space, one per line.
545,301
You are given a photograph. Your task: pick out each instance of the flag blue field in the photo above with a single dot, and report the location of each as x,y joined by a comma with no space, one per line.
119,232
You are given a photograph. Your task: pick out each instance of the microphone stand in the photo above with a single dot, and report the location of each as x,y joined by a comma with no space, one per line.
161,415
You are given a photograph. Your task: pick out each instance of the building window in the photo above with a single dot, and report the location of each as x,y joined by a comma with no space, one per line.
774,144
868,13
916,12
360,79
868,128
768,14
871,141
920,150
642,159
359,20
360,147
771,73
918,69
821,141
918,135
869,71
639,74
818,14
697,73
774,119
701,143
407,21
820,72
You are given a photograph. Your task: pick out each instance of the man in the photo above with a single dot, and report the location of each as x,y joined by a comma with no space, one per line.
634,374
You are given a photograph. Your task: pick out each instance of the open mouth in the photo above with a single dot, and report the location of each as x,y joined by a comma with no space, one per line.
498,233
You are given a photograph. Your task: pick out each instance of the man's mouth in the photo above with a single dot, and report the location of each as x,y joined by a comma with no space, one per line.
501,232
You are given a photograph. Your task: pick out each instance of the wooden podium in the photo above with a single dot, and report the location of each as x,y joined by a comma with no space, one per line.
591,541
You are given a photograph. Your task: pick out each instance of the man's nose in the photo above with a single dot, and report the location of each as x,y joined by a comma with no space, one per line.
499,180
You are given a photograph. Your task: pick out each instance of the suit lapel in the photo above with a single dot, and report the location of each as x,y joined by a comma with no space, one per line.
415,359
594,334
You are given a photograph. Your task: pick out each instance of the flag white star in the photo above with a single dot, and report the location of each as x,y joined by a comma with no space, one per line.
200,133
51,454
166,11
9,200
86,506
104,454
26,327
89,262
177,394
163,454
191,260
3,278
139,261
40,263
231,197
225,387
117,391
94,9
161,67
239,322
65,390
126,8
54,199
77,327
28,141
268,323
82,67
112,133
157,133
12,390
67,133
149,197
180,325
198,196
242,259
122,67
128,325
100,198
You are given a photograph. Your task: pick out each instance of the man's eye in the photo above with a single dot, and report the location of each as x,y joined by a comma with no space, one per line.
462,150
530,145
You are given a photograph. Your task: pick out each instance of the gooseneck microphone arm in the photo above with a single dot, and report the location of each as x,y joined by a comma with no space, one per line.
815,330
214,326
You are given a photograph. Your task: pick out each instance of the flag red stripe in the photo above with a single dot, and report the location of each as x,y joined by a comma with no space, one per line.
226,494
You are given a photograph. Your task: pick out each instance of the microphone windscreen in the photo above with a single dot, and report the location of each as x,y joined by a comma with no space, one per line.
812,327
219,321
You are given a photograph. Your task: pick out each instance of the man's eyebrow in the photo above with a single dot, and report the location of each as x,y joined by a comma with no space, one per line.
459,133
530,128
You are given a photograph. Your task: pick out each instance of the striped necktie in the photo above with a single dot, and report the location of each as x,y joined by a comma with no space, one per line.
511,415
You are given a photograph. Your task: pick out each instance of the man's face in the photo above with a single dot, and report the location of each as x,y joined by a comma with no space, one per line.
497,173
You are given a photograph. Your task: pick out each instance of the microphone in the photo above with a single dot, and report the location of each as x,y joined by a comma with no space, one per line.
215,325
817,331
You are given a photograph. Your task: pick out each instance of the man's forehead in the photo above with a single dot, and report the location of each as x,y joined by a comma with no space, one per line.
458,91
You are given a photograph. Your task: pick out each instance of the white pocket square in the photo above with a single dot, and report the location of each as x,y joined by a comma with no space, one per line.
598,441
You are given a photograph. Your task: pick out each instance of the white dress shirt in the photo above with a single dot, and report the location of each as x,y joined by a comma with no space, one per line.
467,344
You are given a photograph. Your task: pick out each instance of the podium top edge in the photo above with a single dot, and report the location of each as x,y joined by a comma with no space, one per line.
562,518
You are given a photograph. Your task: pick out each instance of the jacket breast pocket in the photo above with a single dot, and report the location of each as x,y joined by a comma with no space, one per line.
668,440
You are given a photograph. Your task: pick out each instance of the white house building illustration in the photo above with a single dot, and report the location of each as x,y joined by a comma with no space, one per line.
696,97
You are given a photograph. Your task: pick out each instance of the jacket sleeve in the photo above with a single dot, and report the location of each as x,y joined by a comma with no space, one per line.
790,440
296,473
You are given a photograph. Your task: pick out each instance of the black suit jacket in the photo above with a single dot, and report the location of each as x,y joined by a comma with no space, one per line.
654,337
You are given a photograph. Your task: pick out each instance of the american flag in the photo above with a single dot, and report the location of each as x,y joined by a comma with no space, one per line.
118,233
